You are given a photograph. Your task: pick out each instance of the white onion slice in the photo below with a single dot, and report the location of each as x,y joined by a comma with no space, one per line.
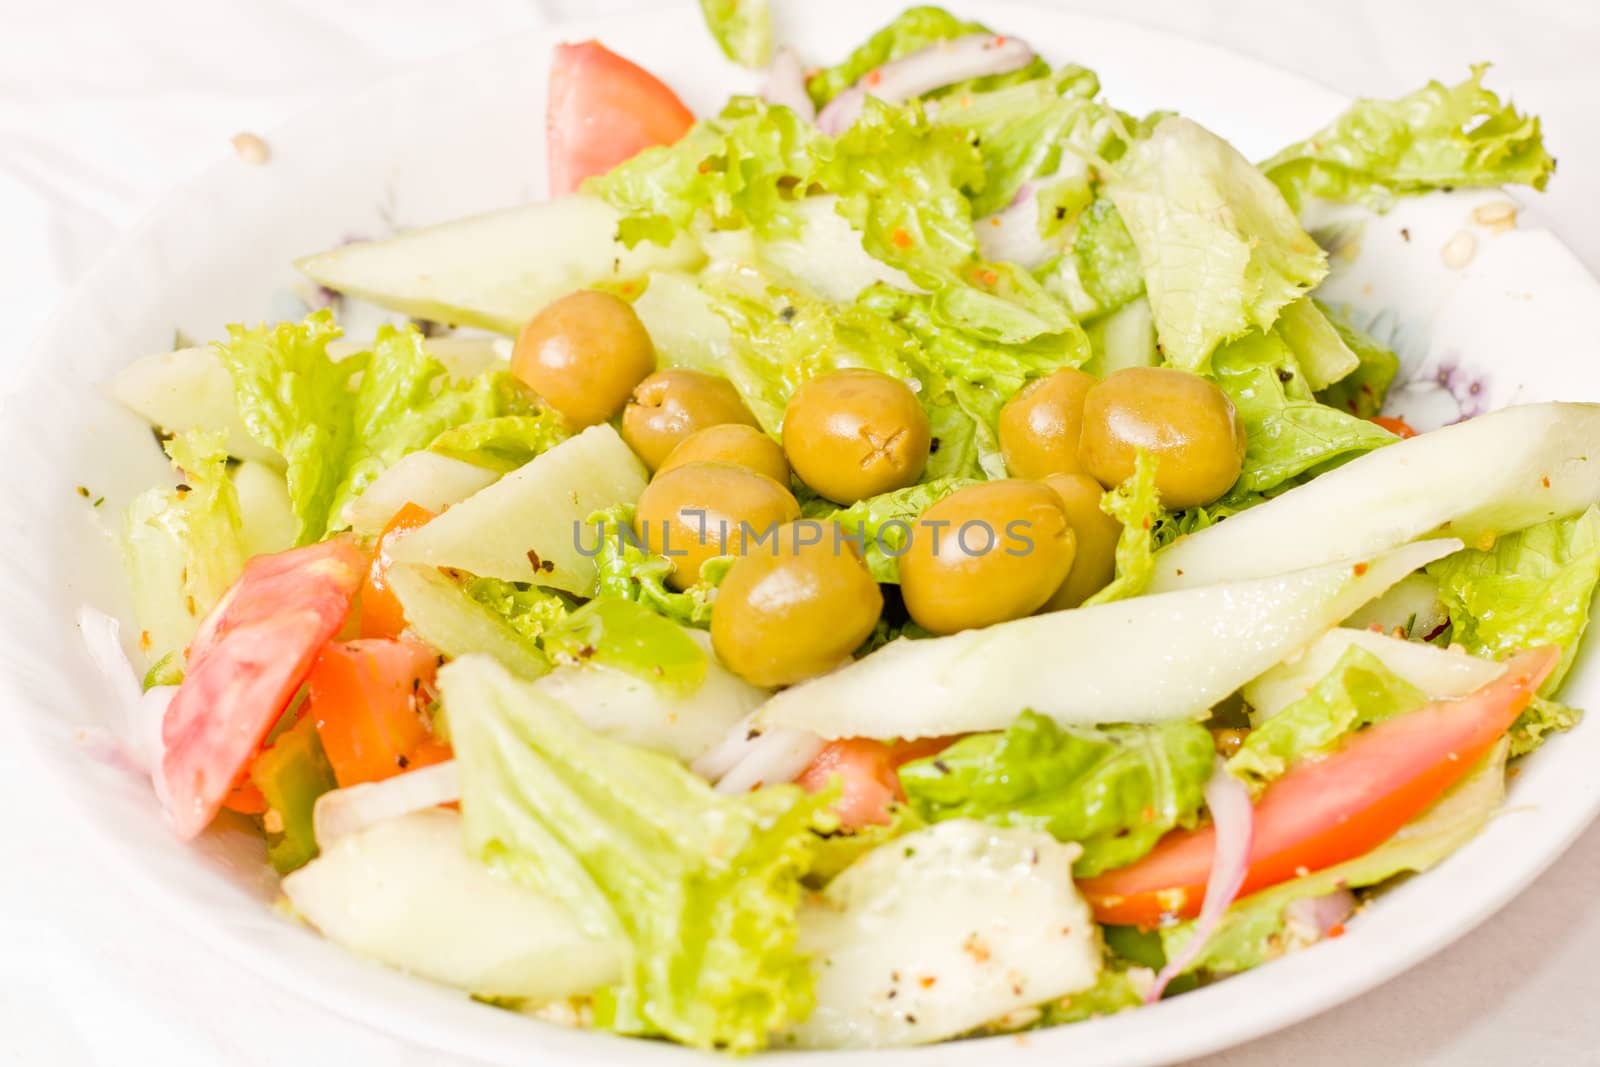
356,807
136,715
1310,918
976,56
752,756
786,85
1011,235
1228,800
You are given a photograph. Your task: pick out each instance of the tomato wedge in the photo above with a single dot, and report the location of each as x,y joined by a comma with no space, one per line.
604,109
381,613
366,699
1325,812
244,665
869,771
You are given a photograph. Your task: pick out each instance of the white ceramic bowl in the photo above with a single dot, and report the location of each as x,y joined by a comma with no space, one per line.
465,134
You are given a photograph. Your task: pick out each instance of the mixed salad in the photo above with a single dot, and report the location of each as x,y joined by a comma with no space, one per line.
928,564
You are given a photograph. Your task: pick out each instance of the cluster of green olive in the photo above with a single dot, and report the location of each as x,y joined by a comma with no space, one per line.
795,604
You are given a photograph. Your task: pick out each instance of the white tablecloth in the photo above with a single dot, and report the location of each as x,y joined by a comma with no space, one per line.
106,104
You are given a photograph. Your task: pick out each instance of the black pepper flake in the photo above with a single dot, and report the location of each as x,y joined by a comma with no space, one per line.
752,733
1285,375
546,566
1405,234
892,994
912,1019
586,652
933,447
789,313
941,766
1061,213
184,487
402,762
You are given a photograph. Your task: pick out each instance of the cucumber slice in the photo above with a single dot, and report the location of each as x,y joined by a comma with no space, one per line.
528,526
495,270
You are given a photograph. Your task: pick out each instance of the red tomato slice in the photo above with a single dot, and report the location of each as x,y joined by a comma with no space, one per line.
381,613
869,771
366,699
604,109
245,663
1334,809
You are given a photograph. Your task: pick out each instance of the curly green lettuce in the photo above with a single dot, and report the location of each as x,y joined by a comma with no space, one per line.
704,887
1113,789
340,423
1220,249
1441,136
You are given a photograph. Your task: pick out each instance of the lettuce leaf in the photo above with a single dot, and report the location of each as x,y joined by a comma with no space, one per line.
901,182
1104,260
1113,789
339,424
627,572
502,444
705,887
782,339
744,167
1254,929
1287,430
1531,588
1220,249
1137,505
1357,692
183,546
630,637
912,30
530,611
1044,128
742,28
1363,390
883,522
1437,137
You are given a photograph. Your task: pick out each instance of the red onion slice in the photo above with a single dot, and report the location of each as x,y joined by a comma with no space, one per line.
345,811
1310,918
976,56
1011,235
786,85
1228,800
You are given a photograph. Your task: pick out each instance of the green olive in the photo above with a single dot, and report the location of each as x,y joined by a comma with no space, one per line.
855,433
1186,424
795,608
743,446
1095,562
671,404
584,354
1039,427
698,511
984,554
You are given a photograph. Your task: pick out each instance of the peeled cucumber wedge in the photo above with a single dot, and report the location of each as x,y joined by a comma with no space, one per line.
404,892
494,270
1146,659
1441,673
188,389
1491,475
530,525
942,931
